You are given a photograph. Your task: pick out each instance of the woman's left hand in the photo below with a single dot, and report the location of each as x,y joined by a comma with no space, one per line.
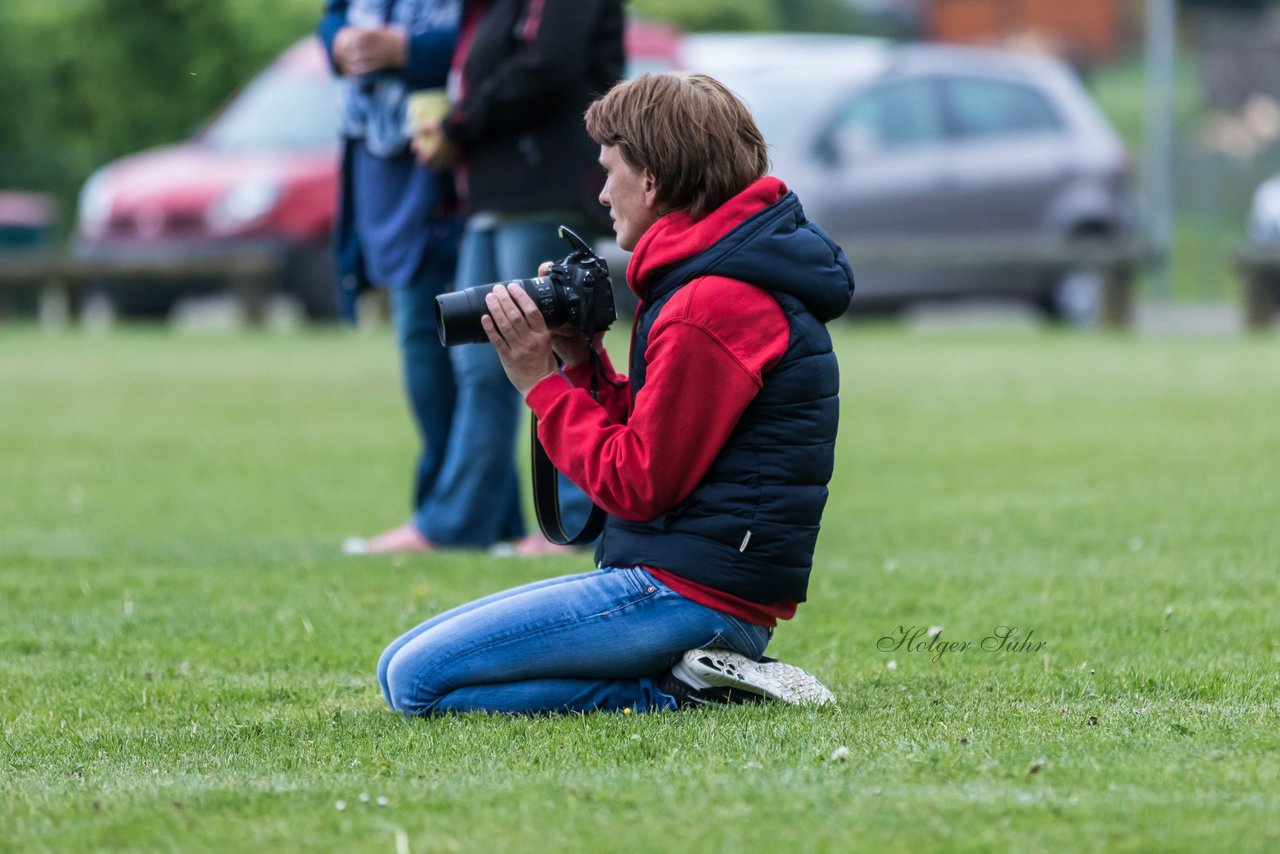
519,333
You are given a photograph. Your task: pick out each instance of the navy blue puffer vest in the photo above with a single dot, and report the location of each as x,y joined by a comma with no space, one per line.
750,527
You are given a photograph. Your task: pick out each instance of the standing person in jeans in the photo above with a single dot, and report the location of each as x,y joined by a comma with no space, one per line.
712,459
397,225
524,72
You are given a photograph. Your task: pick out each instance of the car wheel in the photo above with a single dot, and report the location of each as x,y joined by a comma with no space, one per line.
1075,297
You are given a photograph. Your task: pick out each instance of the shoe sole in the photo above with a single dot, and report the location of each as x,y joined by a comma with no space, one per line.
773,680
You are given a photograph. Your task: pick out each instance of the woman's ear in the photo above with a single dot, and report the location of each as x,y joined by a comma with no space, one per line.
650,189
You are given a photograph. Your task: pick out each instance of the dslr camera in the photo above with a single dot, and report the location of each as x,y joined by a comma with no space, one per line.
576,293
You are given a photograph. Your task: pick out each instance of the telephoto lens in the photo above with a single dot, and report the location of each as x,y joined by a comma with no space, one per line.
458,314
577,293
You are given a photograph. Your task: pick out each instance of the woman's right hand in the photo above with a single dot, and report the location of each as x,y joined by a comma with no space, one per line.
570,344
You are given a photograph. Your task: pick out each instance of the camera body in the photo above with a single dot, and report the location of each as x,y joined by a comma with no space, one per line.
577,293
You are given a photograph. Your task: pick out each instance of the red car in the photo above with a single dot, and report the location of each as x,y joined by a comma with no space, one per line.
262,172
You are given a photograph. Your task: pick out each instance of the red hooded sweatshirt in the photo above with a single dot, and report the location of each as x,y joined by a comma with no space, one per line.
708,352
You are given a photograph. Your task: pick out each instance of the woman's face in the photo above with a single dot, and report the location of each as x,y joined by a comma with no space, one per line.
630,197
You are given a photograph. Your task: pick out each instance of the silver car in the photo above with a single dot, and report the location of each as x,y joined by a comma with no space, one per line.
931,141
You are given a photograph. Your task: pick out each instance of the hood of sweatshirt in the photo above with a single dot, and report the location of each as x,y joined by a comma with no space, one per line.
761,237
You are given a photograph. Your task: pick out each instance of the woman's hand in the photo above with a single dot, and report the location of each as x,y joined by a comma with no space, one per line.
572,347
361,50
569,344
431,146
519,333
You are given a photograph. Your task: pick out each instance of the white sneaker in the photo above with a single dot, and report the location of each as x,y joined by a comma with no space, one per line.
770,679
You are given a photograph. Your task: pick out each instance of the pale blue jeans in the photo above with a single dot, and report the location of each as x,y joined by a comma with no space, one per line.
475,497
597,641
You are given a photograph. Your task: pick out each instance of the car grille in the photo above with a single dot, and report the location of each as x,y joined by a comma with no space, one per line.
152,226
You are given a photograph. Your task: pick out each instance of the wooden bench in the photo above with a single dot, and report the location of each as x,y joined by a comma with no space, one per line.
252,273
1115,258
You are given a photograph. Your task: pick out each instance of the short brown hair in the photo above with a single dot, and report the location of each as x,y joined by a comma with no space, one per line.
695,137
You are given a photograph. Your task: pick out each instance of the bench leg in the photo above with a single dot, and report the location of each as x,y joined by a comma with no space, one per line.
253,300
60,303
1259,299
1117,298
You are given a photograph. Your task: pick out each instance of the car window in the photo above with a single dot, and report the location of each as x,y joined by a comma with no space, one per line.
996,108
896,115
280,111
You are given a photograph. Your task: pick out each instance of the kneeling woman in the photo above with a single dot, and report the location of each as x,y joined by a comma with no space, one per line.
711,458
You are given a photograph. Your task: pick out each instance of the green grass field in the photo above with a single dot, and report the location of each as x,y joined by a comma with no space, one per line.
186,662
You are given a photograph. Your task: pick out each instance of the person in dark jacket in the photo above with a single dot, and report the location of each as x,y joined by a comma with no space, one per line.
524,72
711,459
397,226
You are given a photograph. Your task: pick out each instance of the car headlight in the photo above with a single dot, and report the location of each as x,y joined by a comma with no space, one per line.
242,205
93,208
1264,215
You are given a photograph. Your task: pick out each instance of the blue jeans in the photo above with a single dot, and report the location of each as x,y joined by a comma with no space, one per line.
477,497
428,375
578,643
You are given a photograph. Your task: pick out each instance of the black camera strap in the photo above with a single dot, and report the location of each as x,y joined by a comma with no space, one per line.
546,500
546,483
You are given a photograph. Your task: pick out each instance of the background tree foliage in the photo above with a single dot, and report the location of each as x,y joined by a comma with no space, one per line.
835,16
86,81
